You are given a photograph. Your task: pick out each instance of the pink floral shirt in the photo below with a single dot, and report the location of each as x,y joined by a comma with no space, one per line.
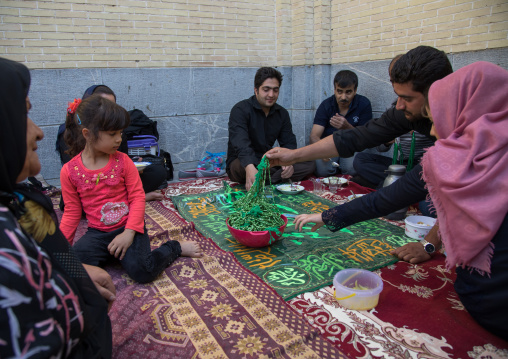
112,197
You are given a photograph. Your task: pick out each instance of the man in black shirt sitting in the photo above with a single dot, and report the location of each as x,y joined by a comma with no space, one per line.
254,126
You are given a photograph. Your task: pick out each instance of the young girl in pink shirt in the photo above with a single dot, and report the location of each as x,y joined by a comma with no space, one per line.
105,184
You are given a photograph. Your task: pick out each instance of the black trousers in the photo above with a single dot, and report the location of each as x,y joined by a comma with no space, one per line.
140,262
486,297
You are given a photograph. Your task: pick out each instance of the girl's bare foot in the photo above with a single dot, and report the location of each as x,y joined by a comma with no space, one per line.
191,249
153,196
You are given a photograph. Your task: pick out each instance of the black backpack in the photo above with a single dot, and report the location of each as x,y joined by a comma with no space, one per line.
141,125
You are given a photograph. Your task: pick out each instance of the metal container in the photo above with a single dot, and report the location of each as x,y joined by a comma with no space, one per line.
394,173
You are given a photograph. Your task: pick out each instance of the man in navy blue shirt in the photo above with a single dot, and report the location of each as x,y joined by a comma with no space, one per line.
344,110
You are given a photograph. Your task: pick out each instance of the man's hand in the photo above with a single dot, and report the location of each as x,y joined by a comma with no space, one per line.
121,243
250,176
411,252
340,122
414,252
279,156
303,219
287,171
103,283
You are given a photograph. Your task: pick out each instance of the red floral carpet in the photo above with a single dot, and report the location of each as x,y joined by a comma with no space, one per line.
419,315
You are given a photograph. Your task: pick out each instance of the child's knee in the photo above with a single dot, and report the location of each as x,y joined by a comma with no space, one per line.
141,276
142,270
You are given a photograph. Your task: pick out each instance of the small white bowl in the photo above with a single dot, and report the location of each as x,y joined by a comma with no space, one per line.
341,181
286,188
417,227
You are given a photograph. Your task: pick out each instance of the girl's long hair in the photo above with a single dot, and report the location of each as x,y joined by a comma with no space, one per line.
96,114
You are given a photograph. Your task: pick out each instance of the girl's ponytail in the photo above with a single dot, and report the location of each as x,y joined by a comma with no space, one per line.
73,126
96,114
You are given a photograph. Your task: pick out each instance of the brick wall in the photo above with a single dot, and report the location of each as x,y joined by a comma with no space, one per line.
132,33
380,29
214,33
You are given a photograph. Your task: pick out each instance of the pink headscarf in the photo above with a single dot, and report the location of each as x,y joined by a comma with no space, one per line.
467,170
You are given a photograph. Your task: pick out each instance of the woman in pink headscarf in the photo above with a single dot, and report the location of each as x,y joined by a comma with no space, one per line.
467,177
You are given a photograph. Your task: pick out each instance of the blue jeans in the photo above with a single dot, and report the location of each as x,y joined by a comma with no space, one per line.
140,262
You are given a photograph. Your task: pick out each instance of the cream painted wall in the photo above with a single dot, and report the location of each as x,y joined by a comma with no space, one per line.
213,33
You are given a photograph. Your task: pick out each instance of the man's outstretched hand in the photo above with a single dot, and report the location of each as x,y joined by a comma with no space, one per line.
279,156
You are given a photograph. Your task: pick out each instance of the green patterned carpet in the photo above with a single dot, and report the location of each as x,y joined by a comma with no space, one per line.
298,262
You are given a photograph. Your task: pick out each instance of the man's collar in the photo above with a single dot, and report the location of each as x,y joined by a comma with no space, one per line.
354,102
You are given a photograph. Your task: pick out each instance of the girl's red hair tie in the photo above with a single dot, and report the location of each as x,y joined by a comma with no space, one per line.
71,108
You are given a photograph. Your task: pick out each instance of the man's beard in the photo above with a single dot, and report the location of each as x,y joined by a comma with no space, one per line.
412,117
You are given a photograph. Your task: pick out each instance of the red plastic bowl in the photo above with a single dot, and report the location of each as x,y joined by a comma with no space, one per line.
257,239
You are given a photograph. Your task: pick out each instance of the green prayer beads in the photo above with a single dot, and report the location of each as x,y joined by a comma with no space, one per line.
254,212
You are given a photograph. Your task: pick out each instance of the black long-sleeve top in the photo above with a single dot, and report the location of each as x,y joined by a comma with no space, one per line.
252,133
392,124
407,190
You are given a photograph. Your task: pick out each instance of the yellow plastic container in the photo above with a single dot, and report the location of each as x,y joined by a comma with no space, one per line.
357,289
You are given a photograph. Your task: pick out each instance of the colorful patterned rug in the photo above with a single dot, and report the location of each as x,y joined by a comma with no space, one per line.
205,308
419,315
299,262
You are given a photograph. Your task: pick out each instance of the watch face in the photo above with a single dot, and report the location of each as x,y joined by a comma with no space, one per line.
429,247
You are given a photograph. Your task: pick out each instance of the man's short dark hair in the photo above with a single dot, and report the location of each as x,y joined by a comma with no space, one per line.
266,73
345,78
421,66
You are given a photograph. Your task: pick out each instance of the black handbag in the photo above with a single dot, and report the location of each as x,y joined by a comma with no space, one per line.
163,160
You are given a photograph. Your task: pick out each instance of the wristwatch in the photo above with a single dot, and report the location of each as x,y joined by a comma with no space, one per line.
429,247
